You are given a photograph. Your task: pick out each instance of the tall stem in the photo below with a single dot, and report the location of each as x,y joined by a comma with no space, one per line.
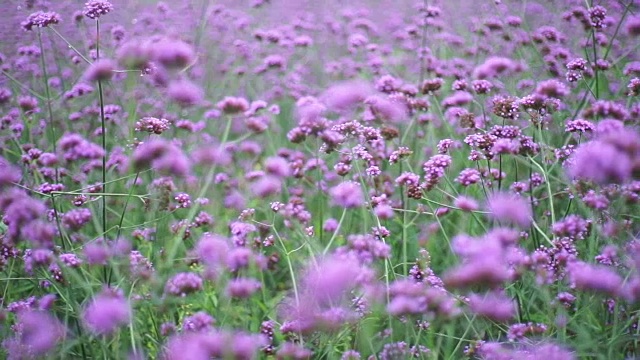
52,130
104,136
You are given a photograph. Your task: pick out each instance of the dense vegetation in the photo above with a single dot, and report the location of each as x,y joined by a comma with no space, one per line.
292,180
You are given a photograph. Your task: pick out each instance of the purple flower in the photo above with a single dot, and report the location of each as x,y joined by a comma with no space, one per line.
495,306
600,162
183,283
324,297
106,312
139,266
70,260
171,53
468,177
633,25
75,219
163,156
76,147
198,322
573,227
93,9
40,19
481,86
36,334
234,105
509,209
597,16
242,287
185,93
498,351
579,125
133,55
480,270
96,253
347,194
100,70
494,66
9,173
386,110
214,344
350,355
519,331
20,211
459,98
212,250
596,278
266,186
152,125
466,204
345,96
552,88
277,166
292,351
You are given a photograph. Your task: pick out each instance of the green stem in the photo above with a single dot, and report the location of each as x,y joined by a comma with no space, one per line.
21,85
103,135
52,130
126,203
335,233
69,45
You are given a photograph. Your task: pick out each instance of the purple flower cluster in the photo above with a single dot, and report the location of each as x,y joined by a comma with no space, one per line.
106,312
40,19
93,9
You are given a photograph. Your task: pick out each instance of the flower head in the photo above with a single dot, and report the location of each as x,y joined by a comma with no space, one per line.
347,195
40,19
510,209
93,9
106,312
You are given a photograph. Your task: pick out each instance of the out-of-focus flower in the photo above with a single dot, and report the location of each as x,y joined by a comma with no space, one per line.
106,312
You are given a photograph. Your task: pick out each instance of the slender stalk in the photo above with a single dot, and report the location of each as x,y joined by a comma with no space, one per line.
69,45
126,203
335,233
595,60
423,41
500,172
405,238
21,85
52,130
103,135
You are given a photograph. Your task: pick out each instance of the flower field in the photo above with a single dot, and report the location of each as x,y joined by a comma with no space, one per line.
279,179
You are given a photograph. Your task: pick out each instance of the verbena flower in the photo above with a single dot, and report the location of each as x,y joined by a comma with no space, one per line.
40,19
93,9
594,278
184,283
185,93
37,333
509,209
347,195
494,306
162,156
106,312
100,70
242,287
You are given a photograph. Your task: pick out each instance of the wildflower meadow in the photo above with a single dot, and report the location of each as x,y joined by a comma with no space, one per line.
295,179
